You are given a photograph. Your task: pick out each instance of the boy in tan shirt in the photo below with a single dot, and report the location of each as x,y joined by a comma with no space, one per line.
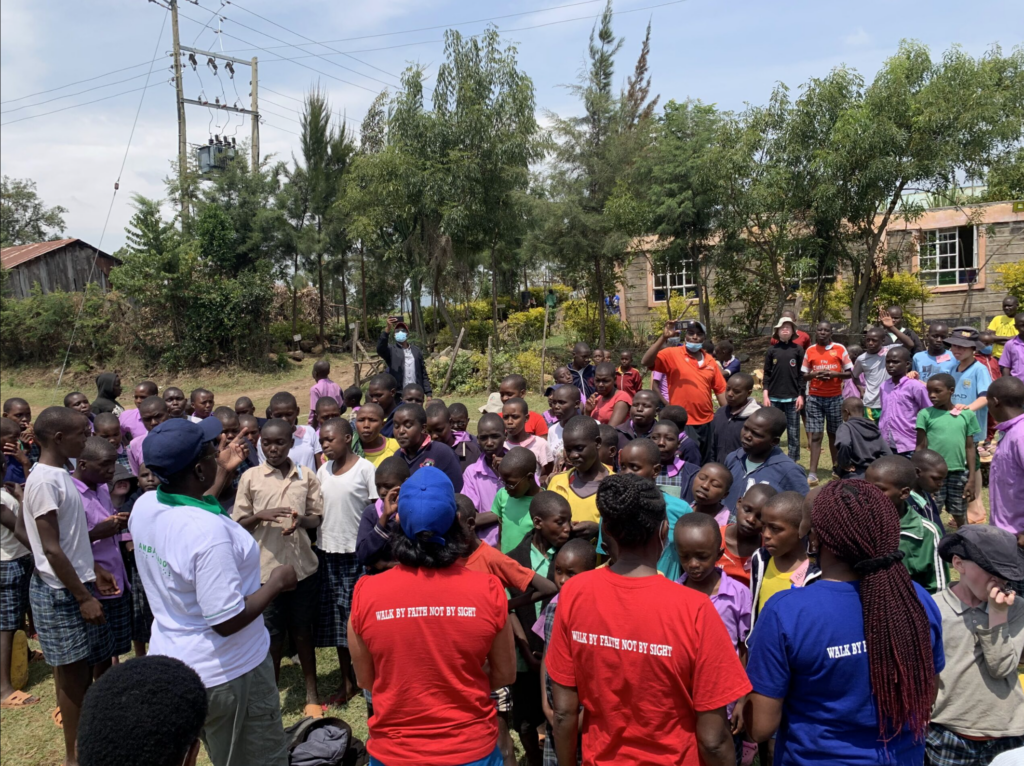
277,502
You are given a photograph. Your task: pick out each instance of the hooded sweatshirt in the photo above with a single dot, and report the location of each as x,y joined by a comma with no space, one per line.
859,442
778,471
104,401
727,427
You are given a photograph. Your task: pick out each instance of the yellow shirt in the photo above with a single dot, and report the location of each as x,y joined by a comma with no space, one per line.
773,582
389,449
1003,327
583,508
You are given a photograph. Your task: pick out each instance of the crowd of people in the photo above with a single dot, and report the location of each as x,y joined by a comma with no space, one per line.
635,575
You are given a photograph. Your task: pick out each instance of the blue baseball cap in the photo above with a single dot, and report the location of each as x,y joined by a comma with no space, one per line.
175,443
426,503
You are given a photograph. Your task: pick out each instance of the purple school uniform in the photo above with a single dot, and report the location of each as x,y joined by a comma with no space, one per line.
323,387
1013,357
900,404
131,423
481,484
105,552
1006,478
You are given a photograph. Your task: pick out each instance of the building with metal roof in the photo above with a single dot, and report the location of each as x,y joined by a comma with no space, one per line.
63,264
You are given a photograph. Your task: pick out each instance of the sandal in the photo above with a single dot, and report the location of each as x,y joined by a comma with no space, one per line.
58,720
19,699
313,710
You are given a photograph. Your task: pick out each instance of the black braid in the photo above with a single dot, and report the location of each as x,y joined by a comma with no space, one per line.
632,508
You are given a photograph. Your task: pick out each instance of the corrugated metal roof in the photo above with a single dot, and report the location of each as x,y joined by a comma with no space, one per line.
19,254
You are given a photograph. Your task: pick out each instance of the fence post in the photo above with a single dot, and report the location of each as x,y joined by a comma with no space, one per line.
543,348
355,352
451,364
490,375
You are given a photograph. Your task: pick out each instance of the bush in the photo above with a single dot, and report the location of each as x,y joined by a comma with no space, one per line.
525,326
281,334
1011,279
903,290
469,374
562,292
582,324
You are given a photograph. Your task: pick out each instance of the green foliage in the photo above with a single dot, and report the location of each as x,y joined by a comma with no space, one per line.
580,322
525,326
907,292
38,329
281,334
834,302
1011,278
562,292
24,218
469,374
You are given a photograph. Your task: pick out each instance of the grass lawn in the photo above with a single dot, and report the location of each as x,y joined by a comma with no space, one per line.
28,737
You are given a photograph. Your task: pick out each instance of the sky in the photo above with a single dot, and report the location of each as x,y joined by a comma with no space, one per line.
729,54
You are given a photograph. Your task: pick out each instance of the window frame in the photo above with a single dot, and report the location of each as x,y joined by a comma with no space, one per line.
957,269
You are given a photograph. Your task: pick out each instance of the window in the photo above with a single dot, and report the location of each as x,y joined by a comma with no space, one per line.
948,256
681,278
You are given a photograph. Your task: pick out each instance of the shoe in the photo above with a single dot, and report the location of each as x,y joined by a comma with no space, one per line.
812,480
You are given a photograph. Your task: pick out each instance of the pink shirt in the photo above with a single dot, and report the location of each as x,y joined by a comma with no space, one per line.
538,445
1006,478
131,423
105,552
1013,357
135,453
323,387
900,405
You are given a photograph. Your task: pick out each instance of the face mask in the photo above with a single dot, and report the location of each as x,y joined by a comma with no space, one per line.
986,350
694,347
401,336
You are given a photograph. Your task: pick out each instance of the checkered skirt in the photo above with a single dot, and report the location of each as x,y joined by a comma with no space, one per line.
64,636
339,573
946,748
15,576
118,612
141,615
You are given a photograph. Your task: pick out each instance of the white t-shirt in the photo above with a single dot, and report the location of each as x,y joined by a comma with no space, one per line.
197,568
556,448
409,370
10,548
51,489
345,497
303,451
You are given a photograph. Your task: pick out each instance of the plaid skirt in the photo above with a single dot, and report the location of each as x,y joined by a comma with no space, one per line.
64,636
142,616
118,612
946,748
15,576
339,573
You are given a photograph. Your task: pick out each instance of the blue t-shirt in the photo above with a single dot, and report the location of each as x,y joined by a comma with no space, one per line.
668,564
926,365
808,648
970,384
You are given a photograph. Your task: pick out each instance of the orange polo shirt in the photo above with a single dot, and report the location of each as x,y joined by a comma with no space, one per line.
691,383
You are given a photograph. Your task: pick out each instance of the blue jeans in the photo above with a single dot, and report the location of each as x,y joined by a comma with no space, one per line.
494,759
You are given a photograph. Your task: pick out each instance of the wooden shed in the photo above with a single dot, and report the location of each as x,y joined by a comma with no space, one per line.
63,264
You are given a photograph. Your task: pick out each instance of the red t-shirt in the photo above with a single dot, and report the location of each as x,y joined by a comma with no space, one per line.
737,567
802,339
603,410
629,381
429,632
691,383
645,655
536,424
487,558
831,358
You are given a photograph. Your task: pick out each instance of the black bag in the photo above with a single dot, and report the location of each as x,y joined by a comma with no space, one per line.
334,745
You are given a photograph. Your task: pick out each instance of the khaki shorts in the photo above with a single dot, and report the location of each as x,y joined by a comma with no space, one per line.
243,725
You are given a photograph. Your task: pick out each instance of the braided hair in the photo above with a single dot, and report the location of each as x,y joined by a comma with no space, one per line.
632,508
856,521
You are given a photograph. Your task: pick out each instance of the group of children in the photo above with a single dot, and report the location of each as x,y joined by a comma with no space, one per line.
322,496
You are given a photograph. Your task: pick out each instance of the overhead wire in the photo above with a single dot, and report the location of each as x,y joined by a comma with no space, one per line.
77,93
84,103
110,208
77,82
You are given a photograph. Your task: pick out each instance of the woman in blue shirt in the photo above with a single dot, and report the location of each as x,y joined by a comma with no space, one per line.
845,669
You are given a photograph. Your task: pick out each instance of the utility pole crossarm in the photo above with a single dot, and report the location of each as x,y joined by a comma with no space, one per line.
225,107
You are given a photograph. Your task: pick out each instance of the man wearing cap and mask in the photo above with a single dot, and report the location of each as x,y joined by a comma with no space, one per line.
693,378
404,361
979,710
201,573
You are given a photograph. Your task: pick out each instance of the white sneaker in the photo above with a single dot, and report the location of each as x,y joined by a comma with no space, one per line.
812,480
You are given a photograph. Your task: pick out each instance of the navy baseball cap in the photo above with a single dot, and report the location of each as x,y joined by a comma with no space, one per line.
426,503
175,443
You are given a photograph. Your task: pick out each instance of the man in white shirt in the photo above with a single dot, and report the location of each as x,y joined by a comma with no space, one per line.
201,572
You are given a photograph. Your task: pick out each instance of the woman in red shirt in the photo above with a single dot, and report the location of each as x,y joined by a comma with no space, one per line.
421,634
626,622
610,406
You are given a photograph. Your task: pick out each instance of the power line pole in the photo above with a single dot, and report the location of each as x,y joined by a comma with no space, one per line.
254,121
180,92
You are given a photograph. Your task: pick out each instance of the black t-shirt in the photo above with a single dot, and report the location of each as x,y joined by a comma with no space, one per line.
782,377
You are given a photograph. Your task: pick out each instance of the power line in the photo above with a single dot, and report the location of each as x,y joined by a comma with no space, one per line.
285,58
78,93
278,39
84,103
77,82
283,130
291,109
312,41
113,197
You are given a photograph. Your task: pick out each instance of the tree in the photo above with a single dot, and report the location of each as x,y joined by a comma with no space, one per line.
591,153
920,126
24,218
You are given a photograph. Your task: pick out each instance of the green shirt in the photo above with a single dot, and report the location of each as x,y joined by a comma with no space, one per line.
919,541
208,502
947,434
514,516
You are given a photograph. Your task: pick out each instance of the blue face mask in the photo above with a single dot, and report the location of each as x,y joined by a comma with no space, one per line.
986,350
694,347
401,336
